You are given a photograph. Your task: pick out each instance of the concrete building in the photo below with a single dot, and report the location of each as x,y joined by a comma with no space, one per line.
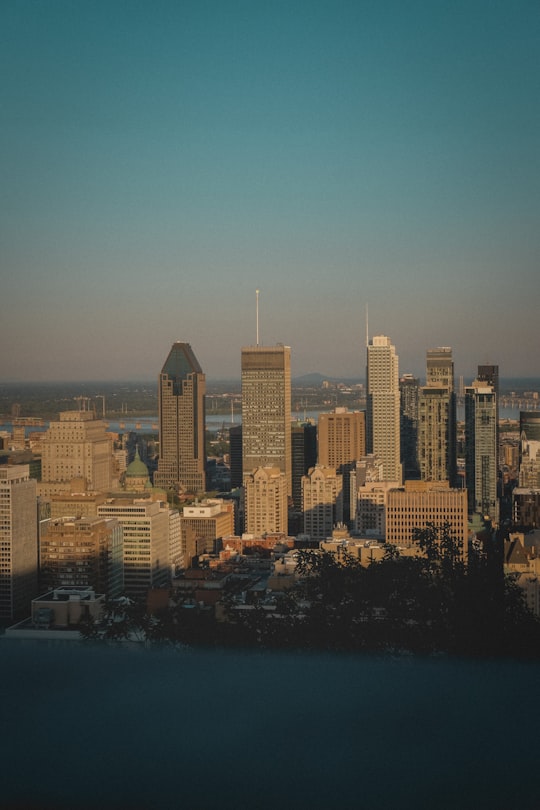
526,507
182,455
322,501
409,389
437,419
266,501
341,438
421,503
529,466
383,400
481,450
85,552
370,515
210,520
77,446
266,410
18,541
75,503
304,456
145,527
529,424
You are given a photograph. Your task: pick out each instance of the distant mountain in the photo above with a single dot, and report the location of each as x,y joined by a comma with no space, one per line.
315,378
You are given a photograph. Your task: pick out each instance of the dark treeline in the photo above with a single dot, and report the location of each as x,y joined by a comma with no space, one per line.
426,604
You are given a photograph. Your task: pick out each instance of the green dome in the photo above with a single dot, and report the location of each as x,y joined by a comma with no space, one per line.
137,468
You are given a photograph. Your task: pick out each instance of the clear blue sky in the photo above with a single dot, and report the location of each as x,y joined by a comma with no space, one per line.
160,161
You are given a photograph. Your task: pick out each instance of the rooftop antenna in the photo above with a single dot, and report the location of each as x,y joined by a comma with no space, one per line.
257,313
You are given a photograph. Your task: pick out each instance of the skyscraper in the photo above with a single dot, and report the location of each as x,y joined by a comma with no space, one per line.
322,501
383,429
18,541
181,390
266,409
409,389
437,419
481,449
341,443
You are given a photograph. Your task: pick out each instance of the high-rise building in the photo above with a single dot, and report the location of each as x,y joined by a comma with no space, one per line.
437,419
266,501
304,456
422,504
383,428
18,541
409,388
146,542
76,447
529,424
181,390
341,443
481,461
82,552
266,410
322,497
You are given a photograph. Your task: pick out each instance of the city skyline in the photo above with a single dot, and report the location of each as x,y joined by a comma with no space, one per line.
162,162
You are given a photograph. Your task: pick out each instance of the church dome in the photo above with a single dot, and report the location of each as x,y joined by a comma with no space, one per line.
137,468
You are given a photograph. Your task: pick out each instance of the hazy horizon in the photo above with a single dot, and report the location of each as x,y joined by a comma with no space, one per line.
162,161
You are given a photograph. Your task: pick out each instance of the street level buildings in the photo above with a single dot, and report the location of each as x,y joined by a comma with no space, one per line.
181,390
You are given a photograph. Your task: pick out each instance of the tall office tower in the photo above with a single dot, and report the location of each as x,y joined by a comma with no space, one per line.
18,541
146,537
304,456
437,419
322,501
490,376
76,447
420,504
82,552
182,455
341,443
383,430
266,501
235,455
481,465
266,410
409,390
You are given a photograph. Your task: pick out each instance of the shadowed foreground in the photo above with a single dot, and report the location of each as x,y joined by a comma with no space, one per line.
120,727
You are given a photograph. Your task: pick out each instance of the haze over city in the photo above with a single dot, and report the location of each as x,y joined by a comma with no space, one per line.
160,162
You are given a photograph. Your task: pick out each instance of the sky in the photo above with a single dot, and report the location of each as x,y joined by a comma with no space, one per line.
161,161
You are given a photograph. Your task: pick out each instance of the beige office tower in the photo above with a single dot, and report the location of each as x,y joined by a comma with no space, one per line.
341,436
266,410
181,390
210,520
265,493
437,419
383,399
322,501
146,545
76,447
420,504
18,541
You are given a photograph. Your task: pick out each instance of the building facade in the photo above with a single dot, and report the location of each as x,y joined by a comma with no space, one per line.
341,438
181,391
266,410
422,504
77,446
266,501
322,499
383,400
18,541
437,419
481,451
409,389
